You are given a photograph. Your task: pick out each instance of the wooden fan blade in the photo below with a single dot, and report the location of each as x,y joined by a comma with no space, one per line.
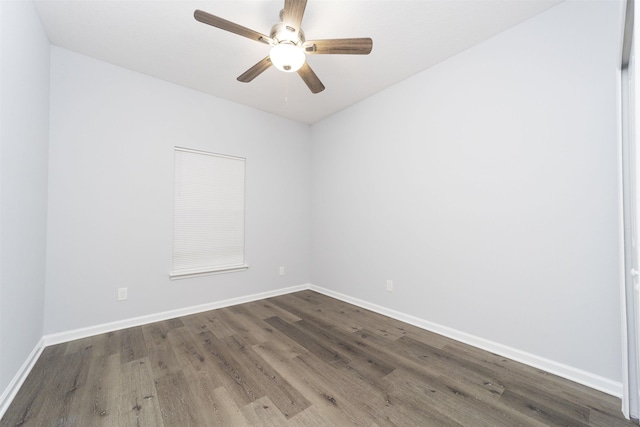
360,46
223,24
255,71
292,14
310,78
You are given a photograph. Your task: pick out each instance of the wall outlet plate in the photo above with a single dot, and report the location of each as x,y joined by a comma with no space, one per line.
122,294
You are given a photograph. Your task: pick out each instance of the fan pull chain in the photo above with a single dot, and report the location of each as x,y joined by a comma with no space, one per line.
286,88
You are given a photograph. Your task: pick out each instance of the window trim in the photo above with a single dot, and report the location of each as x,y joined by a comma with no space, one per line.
219,270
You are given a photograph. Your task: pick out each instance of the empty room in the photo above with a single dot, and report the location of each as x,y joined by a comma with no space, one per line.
322,212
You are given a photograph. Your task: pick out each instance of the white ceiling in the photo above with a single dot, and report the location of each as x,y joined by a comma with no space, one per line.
162,39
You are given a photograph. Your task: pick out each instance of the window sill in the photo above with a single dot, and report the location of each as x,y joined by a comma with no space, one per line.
176,275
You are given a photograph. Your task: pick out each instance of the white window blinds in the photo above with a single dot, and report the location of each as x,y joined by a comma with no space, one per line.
208,213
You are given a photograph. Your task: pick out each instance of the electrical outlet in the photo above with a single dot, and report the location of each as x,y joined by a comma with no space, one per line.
282,271
122,294
390,285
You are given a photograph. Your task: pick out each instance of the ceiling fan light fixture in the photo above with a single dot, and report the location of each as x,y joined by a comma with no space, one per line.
287,57
288,44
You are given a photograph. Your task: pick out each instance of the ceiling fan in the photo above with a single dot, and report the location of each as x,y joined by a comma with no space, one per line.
288,44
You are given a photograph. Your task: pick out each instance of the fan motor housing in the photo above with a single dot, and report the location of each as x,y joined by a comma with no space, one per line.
281,33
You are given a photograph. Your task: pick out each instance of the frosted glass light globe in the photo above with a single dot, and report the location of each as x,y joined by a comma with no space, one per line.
287,57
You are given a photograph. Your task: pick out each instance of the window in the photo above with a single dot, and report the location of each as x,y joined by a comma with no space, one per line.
208,213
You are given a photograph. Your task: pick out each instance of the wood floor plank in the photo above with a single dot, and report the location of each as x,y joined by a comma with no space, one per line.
320,392
156,333
262,412
607,419
215,405
262,330
342,392
106,344
286,398
540,401
313,416
469,411
506,369
422,410
313,298
97,404
360,355
177,404
482,400
31,399
70,383
81,345
59,390
302,359
307,311
186,349
541,412
132,344
138,399
163,360
101,345
421,359
208,321
285,346
480,386
251,330
265,309
359,373
176,322
347,387
446,361
308,341
525,380
241,386
351,318
355,318
387,350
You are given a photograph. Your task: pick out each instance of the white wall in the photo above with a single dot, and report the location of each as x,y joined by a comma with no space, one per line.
24,128
486,188
111,192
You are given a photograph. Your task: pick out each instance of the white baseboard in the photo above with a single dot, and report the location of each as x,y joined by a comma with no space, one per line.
12,389
565,371
75,334
579,376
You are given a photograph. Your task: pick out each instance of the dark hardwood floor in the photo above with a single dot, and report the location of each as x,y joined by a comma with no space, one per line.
301,359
